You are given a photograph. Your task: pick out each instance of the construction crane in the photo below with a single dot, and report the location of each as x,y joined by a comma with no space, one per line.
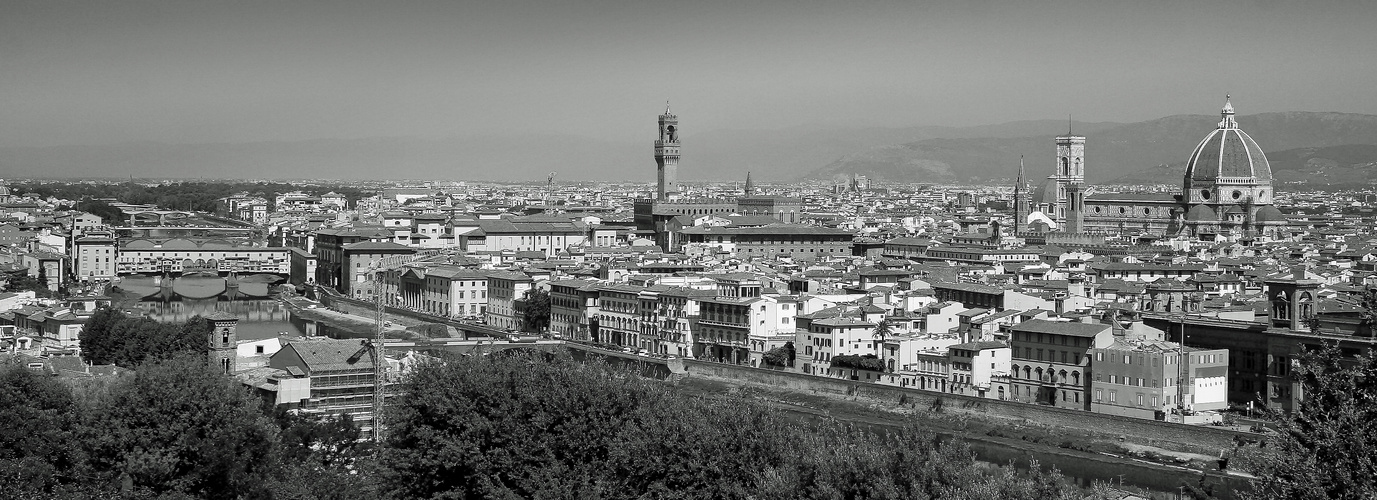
376,348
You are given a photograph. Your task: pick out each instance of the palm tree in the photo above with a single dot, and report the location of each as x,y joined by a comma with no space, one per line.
882,333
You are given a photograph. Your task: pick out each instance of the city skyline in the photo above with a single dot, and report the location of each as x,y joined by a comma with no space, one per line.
249,72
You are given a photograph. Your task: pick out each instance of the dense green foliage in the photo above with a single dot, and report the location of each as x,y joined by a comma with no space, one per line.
39,416
218,445
532,427
780,356
498,426
108,214
865,362
112,337
1327,447
536,316
175,429
20,281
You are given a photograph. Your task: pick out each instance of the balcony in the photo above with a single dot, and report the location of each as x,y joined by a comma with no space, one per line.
729,343
724,323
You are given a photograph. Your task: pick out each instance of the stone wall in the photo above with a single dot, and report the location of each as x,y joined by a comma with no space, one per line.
1208,440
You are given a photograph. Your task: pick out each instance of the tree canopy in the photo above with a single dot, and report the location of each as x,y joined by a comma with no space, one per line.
40,417
20,281
175,429
220,445
780,356
526,426
536,316
112,337
1326,447
864,362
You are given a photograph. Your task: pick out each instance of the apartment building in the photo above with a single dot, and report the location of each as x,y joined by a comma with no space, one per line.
504,289
574,309
1050,364
1146,379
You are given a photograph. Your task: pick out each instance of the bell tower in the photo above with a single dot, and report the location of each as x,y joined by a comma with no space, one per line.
222,342
667,157
1070,170
1022,205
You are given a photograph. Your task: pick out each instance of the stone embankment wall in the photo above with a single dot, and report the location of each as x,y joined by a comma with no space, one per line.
1208,440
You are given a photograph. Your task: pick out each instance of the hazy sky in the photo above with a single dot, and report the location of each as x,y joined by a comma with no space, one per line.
186,71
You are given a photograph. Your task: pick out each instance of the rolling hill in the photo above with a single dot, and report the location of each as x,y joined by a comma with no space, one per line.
1111,153
910,154
783,154
1346,165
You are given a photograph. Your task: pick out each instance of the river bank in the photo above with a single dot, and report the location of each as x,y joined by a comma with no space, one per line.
1084,455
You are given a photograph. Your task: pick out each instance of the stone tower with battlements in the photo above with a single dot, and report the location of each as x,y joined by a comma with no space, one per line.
667,157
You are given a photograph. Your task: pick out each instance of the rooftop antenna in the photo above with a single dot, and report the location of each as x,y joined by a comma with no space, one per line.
1068,124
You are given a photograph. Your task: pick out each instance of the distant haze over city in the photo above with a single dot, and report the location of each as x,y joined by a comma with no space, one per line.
514,90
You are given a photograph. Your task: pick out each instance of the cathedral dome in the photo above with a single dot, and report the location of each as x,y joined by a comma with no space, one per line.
1269,214
1201,213
1228,155
1045,193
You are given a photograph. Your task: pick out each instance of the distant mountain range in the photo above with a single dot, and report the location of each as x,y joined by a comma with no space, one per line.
1350,164
910,154
1145,152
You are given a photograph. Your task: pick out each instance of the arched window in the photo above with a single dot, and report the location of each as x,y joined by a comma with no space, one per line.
1061,376
1076,378
1015,371
1039,373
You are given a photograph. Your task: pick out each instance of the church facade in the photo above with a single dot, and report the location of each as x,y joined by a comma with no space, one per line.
1226,195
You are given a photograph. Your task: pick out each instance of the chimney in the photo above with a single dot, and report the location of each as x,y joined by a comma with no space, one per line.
1298,272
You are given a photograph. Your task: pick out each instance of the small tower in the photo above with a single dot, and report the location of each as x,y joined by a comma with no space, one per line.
750,186
1075,209
222,341
667,157
1022,204
1293,300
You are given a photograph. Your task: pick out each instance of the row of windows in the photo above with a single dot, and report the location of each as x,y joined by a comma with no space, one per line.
1047,338
1124,210
1134,382
1138,400
810,250
1051,355
1031,373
